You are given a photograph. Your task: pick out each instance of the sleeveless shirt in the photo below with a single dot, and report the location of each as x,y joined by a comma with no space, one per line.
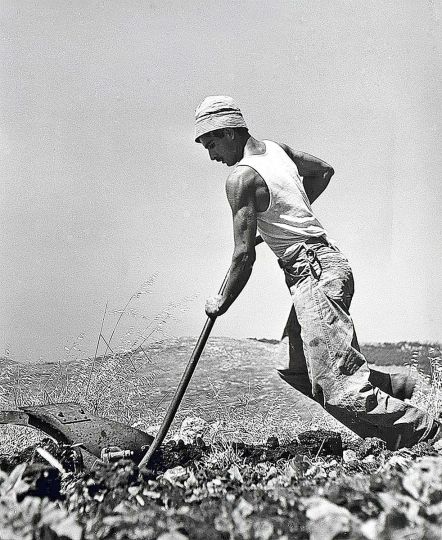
288,220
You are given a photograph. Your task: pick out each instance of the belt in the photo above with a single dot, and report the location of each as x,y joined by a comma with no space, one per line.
310,253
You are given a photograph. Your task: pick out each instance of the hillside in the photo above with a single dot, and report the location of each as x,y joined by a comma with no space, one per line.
231,374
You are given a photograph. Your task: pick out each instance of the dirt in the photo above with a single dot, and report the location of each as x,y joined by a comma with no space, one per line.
311,487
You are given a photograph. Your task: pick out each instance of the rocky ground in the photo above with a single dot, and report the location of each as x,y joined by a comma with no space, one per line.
313,487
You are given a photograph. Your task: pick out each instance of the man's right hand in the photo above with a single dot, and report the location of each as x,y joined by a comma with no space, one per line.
212,306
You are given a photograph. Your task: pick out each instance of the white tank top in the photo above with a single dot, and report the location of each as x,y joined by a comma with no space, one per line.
288,220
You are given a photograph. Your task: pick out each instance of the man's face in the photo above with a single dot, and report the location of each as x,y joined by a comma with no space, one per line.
221,149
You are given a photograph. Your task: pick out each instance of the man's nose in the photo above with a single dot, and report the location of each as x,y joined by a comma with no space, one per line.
212,155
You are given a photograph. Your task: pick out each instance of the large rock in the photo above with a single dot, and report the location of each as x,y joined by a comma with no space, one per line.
192,427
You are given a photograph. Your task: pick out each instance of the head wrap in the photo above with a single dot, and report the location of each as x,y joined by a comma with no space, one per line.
217,112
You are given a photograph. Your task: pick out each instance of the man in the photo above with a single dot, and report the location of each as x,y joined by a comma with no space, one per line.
270,191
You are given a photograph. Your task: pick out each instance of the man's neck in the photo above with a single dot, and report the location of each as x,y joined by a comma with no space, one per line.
253,147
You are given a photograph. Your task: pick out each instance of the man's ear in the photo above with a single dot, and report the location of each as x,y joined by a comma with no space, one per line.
229,133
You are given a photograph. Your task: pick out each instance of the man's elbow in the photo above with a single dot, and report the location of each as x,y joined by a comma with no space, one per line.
244,259
330,172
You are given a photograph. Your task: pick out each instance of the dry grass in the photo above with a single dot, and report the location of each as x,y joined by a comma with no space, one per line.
113,386
428,393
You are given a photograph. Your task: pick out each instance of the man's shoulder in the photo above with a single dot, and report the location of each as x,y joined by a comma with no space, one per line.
242,181
243,174
289,150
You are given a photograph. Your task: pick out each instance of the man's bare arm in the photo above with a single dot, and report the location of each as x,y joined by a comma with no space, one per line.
316,174
241,193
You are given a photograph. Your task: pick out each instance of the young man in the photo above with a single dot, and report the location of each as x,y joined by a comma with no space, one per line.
270,190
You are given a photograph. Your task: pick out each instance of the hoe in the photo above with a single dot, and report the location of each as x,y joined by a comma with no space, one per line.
69,423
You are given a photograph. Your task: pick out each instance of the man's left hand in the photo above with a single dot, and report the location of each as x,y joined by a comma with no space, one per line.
212,306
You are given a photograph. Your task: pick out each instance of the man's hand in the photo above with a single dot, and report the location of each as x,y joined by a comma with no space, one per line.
212,306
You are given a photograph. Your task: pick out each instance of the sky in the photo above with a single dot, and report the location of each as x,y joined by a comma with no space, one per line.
103,189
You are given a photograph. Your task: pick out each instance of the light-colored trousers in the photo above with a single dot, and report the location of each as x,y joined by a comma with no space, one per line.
325,359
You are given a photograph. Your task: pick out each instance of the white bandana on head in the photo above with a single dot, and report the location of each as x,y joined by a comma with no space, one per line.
217,112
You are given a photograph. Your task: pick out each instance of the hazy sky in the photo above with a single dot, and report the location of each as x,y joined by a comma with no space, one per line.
102,185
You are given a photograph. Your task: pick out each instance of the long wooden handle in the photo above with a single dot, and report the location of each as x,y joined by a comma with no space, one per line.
185,379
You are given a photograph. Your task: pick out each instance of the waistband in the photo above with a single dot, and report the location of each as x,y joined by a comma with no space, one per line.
313,240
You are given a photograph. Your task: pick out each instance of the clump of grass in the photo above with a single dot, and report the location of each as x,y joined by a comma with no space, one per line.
428,393
223,454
